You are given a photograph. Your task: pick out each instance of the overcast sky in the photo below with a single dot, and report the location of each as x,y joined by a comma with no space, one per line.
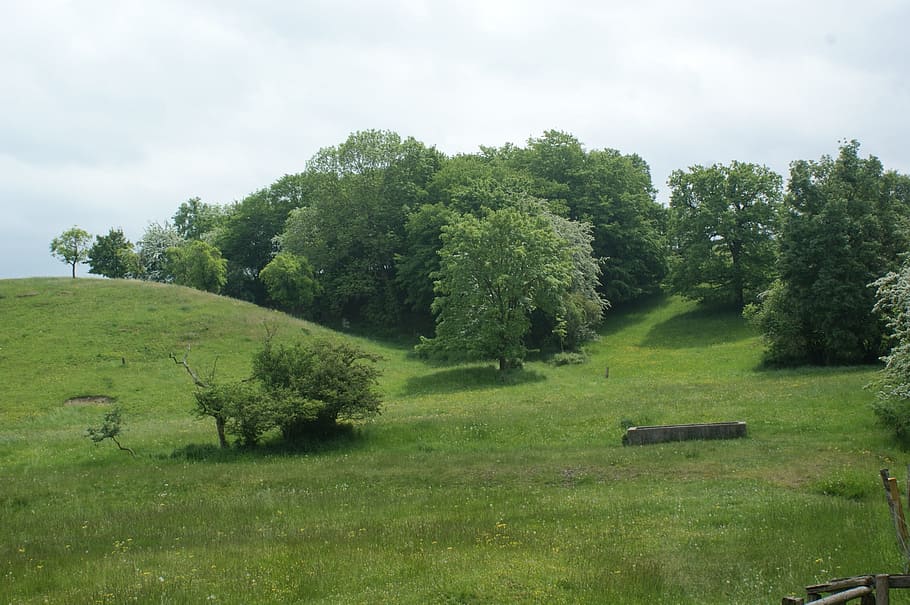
113,112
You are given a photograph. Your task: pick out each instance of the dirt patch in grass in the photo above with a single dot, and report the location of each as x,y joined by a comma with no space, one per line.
89,400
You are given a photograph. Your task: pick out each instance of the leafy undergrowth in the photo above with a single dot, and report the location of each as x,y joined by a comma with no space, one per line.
467,489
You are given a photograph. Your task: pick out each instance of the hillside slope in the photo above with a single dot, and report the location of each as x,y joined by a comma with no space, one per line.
466,489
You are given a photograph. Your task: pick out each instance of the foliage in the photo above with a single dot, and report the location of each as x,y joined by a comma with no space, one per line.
772,315
112,255
197,264
569,358
71,246
844,225
247,237
289,281
495,271
242,408
319,381
420,257
892,296
153,247
195,219
583,305
110,429
722,228
613,192
354,226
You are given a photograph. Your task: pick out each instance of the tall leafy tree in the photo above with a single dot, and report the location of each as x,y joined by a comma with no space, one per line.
72,247
722,228
844,225
495,271
197,264
195,219
113,256
613,192
354,226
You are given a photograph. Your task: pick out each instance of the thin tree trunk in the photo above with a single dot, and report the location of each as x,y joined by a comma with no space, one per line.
125,449
219,425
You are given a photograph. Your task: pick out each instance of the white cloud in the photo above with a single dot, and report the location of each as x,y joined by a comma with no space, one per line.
118,111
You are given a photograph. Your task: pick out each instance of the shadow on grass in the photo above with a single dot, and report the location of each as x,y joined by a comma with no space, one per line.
455,380
701,327
342,438
622,316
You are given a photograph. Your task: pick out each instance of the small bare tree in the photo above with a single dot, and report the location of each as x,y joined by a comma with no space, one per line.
109,429
206,405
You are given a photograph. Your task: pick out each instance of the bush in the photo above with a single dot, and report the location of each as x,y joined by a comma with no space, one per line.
318,382
302,389
893,385
894,414
568,358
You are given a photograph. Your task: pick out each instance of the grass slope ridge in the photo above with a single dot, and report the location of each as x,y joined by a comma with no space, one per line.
465,490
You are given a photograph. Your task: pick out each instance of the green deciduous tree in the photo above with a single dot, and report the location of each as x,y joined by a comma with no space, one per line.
112,255
722,228
495,271
844,225
353,228
72,247
289,281
197,264
195,219
613,192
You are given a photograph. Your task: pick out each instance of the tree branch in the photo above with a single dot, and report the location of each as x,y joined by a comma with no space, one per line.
182,362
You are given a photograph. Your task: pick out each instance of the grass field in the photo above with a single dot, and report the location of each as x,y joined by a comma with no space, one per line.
465,489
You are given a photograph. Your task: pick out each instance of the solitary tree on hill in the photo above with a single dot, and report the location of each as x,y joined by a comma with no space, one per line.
72,247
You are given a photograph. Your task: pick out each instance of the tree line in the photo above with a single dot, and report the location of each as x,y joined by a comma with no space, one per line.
492,253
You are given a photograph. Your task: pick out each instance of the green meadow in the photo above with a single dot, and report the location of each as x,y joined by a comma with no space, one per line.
466,489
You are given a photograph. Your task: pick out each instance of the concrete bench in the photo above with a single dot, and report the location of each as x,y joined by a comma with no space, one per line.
643,435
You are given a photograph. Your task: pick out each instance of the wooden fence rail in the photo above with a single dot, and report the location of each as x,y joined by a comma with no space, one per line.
871,590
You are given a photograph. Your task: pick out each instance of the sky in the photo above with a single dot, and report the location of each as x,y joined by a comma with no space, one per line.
113,112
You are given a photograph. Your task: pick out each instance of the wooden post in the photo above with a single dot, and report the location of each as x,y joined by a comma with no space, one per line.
792,601
897,510
881,590
901,522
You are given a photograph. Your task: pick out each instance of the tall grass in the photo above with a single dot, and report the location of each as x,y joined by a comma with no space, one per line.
467,489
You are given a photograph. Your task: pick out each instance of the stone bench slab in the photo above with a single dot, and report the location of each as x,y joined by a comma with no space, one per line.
644,435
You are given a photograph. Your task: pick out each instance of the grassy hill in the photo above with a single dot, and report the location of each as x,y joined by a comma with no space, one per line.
465,489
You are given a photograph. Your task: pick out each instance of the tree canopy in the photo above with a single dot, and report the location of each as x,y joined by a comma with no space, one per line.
72,247
153,247
112,255
495,271
197,264
844,225
722,228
